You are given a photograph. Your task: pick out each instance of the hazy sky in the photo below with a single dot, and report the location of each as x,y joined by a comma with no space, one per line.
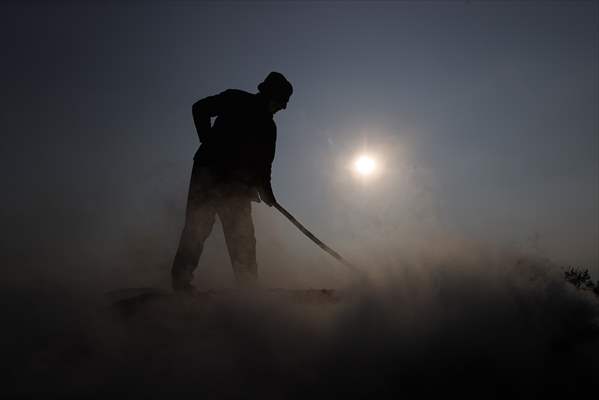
484,115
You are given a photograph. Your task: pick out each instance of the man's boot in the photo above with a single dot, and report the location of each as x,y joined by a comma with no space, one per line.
181,280
246,276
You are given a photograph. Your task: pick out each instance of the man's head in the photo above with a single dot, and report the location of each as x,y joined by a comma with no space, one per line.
277,89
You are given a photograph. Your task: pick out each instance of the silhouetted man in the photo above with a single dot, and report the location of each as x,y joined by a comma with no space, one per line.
231,168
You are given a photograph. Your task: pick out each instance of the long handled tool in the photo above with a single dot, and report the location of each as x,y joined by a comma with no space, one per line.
313,238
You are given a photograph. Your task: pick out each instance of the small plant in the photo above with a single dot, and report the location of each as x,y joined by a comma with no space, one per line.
581,279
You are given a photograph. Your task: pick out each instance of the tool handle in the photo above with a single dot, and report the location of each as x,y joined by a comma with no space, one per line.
311,236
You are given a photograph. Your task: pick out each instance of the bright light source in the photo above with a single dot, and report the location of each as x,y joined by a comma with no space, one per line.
364,165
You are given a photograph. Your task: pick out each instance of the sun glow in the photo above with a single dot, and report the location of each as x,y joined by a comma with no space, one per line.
364,165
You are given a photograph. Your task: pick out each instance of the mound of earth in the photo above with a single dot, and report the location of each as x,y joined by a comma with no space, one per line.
128,301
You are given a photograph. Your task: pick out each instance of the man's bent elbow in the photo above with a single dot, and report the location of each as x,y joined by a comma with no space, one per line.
196,109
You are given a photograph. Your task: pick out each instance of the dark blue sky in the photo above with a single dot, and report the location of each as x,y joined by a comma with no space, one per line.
485,115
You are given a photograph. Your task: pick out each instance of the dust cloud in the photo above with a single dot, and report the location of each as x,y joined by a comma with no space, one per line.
462,319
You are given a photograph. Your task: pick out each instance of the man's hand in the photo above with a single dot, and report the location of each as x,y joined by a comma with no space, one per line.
266,194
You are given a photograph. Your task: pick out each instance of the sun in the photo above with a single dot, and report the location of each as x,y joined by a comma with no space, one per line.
364,165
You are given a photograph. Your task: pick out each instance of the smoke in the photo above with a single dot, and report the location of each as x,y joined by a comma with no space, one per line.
475,324
441,316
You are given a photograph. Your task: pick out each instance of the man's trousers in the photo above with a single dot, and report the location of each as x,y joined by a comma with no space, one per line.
231,201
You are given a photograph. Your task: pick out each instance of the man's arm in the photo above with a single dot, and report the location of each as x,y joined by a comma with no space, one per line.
205,109
266,194
265,187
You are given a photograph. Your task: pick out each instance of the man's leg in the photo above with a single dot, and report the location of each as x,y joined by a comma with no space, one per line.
199,220
235,214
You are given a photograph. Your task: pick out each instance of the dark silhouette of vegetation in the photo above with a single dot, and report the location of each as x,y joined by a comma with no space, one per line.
581,279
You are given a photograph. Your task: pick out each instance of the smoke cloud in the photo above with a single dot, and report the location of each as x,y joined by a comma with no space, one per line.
458,320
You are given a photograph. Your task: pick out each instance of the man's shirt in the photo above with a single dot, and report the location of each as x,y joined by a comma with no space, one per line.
240,144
